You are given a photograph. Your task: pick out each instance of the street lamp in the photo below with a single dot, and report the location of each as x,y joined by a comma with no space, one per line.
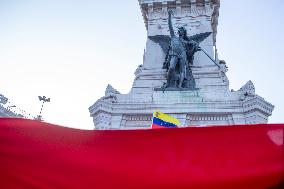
44,99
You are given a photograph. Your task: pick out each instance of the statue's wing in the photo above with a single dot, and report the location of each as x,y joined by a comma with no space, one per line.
163,40
200,37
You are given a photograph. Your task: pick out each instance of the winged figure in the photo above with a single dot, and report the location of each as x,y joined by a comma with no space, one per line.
179,52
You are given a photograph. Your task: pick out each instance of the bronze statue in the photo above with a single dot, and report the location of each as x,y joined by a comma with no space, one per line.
180,52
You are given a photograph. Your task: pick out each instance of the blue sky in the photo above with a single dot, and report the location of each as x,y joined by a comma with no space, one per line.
70,50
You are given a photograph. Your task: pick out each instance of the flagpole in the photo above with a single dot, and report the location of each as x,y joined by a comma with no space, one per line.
212,59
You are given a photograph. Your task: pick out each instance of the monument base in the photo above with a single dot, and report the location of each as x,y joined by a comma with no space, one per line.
191,107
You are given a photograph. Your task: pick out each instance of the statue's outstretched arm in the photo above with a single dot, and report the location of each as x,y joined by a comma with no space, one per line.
170,23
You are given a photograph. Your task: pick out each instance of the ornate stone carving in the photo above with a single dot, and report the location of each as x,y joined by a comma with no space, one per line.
223,65
138,70
110,90
248,90
110,94
137,121
208,119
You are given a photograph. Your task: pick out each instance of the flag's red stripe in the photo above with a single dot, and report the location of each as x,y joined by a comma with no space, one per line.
40,155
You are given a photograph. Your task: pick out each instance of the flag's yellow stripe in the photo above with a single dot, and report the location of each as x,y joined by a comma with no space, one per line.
166,117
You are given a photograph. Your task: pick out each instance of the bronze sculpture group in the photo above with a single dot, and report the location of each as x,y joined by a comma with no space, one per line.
179,58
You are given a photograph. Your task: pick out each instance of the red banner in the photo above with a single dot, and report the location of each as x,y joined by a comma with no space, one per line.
40,155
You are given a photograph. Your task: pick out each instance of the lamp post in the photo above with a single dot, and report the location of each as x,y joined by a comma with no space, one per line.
44,99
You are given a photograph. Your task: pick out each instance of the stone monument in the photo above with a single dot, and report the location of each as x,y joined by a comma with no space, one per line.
181,74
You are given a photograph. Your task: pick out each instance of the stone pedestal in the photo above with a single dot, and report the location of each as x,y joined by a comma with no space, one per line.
195,108
211,104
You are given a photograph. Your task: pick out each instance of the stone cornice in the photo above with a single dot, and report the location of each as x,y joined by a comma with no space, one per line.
258,103
147,6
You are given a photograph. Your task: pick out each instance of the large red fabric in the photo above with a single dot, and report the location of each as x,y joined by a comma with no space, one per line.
40,155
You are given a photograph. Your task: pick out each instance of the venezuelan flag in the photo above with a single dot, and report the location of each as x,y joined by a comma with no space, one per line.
162,120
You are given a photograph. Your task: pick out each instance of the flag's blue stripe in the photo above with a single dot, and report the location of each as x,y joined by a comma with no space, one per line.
162,123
